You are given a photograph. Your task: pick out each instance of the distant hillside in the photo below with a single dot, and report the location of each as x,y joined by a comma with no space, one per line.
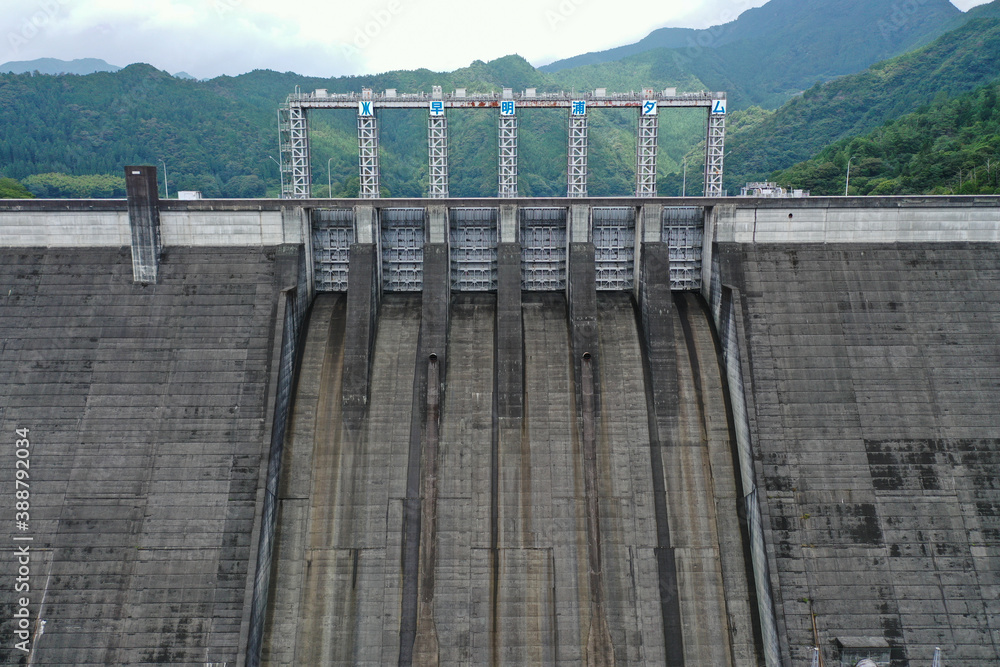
801,22
56,66
989,10
775,51
949,147
960,61
219,136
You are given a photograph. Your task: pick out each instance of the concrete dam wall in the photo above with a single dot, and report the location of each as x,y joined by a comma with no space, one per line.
875,384
601,436
145,407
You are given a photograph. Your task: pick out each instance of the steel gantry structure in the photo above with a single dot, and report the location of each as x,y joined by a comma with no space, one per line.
294,133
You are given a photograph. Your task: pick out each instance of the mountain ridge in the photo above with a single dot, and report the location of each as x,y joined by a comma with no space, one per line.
955,63
218,135
774,52
55,66
759,21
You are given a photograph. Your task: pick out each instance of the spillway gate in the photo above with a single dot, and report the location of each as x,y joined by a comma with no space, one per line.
473,234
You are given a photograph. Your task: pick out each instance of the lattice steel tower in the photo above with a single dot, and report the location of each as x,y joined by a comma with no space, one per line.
367,147
507,139
437,147
645,167
293,144
715,149
576,169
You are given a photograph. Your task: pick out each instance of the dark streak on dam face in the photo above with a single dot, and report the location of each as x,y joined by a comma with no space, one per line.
783,435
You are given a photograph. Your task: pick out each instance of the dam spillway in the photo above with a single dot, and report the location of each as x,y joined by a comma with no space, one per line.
800,417
518,556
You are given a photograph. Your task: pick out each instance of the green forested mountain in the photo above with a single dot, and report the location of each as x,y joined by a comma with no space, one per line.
773,52
761,142
951,146
219,136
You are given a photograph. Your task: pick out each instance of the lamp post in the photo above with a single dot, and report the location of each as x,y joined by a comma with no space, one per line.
848,183
281,177
329,180
166,192
684,186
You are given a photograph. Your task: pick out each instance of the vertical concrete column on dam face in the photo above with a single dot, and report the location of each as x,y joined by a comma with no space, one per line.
581,292
581,289
362,313
657,329
144,222
649,228
520,606
418,635
509,334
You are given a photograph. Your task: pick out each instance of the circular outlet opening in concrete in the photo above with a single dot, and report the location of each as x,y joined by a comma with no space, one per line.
586,356
433,357
789,216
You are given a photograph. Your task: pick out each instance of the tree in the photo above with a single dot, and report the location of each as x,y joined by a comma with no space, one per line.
55,185
244,187
11,188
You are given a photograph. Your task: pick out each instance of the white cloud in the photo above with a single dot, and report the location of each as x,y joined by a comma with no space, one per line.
324,38
966,5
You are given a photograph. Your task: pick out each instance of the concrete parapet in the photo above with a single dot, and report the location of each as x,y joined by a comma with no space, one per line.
58,229
81,227
816,224
235,228
94,223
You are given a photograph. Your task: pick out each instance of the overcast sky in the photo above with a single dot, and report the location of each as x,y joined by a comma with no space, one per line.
333,37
